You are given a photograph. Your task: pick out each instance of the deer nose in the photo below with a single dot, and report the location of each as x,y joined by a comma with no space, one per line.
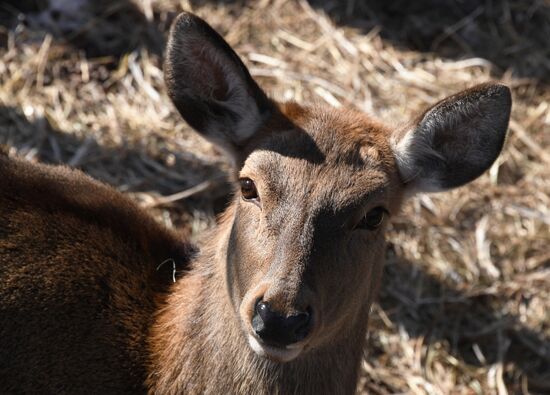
278,330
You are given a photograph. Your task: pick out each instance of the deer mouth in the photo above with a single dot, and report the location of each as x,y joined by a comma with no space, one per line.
275,352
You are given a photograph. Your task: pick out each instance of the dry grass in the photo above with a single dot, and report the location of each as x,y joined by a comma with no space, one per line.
465,303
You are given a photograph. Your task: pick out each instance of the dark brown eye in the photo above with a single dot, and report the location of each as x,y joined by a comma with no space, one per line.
373,219
248,189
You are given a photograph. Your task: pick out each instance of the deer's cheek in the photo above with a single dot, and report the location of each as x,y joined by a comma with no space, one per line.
247,257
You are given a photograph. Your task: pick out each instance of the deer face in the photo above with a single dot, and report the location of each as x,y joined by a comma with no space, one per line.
305,245
307,241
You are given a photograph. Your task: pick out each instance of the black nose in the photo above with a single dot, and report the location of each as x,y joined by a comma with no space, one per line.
277,330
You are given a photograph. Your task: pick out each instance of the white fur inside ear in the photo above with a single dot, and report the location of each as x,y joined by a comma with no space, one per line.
403,156
413,145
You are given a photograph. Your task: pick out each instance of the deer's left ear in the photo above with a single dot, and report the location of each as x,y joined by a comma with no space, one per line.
455,141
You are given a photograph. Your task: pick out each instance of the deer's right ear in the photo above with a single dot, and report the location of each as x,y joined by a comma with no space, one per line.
210,86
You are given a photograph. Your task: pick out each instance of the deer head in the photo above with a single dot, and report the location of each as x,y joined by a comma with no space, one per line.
303,240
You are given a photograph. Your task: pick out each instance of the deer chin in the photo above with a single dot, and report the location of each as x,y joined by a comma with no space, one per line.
277,354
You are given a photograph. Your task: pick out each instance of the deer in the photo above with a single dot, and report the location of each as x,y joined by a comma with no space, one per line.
276,299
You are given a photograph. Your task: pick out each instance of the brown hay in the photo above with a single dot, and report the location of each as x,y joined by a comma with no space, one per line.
465,303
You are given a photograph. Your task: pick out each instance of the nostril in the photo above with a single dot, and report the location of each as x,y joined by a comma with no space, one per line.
277,329
301,324
264,311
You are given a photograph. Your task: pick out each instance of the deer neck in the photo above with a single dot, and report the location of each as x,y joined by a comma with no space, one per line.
198,345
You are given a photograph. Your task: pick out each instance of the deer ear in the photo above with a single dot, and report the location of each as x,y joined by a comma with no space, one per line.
210,86
455,141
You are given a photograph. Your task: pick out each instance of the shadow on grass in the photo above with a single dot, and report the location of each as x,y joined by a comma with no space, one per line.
512,34
104,28
129,168
425,307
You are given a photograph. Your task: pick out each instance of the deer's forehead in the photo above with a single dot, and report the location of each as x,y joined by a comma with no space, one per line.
331,141
345,127
331,182
329,154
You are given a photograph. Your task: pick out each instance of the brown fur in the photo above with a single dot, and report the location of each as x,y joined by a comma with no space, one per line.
78,282
86,304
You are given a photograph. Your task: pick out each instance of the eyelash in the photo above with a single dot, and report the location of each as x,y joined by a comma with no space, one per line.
248,189
373,219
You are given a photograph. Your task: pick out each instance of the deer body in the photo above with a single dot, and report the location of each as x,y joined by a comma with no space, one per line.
278,299
78,282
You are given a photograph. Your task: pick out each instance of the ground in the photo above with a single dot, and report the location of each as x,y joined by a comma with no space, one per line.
464,304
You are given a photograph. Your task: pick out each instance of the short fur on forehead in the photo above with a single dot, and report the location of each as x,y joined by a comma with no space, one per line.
336,134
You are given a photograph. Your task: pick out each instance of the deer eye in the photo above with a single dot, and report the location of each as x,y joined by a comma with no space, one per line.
248,189
373,219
